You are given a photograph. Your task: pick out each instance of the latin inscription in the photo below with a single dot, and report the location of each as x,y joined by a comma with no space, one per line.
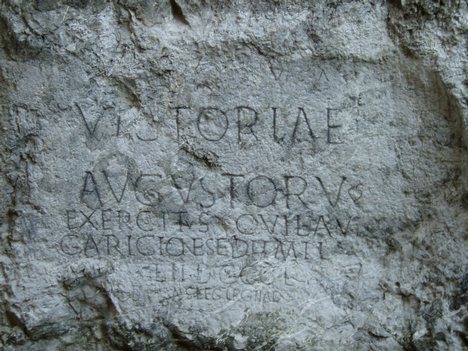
156,218
236,124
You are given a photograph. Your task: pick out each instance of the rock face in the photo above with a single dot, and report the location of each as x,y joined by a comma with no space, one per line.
233,175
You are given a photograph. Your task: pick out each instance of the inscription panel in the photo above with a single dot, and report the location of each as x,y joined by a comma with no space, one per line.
237,194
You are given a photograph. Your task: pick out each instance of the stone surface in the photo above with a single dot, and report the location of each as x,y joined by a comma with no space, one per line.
217,175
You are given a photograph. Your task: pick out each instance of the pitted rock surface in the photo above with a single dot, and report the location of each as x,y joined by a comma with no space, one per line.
233,175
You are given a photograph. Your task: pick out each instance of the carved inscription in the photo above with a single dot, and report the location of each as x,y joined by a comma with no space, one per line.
160,218
235,124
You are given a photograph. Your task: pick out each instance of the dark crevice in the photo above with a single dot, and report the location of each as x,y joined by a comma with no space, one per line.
14,321
197,344
206,158
177,13
181,340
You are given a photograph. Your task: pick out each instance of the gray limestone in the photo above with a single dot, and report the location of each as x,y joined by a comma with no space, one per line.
233,175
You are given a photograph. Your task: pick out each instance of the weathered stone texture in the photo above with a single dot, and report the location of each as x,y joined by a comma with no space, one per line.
233,175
